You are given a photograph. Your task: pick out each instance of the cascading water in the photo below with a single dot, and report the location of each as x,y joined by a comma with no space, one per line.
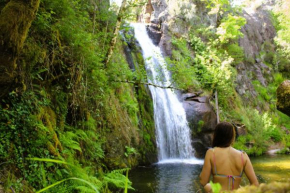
172,131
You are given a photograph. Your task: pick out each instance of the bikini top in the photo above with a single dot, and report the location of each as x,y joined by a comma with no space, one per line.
230,177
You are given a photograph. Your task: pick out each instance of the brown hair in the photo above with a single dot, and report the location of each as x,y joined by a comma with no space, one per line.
224,135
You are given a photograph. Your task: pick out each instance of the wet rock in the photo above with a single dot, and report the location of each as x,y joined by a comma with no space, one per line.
283,97
154,33
202,121
199,147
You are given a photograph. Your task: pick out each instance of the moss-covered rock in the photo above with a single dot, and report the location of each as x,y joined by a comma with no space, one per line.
15,20
147,147
283,97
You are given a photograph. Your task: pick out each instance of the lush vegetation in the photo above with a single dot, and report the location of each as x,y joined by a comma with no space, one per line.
207,58
72,123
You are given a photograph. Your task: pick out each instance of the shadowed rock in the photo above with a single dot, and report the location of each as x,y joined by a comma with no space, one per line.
202,121
283,97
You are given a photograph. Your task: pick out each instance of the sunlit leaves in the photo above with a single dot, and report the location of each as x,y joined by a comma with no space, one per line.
218,6
229,28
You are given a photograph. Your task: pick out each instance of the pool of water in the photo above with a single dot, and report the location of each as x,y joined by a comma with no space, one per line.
184,177
272,168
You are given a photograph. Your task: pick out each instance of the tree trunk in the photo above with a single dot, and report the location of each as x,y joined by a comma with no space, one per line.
217,106
116,32
15,20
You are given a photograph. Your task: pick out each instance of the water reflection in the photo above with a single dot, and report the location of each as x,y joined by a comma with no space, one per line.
166,178
272,168
176,178
183,177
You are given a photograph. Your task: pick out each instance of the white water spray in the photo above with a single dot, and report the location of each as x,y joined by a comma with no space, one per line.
172,131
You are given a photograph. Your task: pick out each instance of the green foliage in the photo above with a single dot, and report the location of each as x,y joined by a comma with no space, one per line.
229,29
117,180
180,65
61,114
260,129
268,94
200,124
214,71
236,52
61,181
92,182
286,141
126,183
281,20
17,124
216,187
276,135
263,91
201,65
218,6
130,151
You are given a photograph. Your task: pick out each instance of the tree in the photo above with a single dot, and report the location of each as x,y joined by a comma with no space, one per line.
15,20
116,32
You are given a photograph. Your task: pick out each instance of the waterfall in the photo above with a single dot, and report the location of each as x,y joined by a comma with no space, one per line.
172,130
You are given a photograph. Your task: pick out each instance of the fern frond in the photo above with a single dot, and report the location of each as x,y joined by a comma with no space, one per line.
73,178
117,179
48,160
69,140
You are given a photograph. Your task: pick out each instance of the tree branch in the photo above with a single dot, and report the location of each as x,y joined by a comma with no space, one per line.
147,83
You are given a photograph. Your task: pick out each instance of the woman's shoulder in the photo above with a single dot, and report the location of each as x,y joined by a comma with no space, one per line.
238,151
209,151
242,153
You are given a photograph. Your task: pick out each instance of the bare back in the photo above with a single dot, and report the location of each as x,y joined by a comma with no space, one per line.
226,165
228,162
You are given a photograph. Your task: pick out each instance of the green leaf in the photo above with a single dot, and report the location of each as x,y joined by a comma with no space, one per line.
49,160
216,187
73,178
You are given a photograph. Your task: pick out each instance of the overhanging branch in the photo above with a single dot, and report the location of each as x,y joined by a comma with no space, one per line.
147,83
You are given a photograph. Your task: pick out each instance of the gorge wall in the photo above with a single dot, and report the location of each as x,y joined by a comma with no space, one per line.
170,18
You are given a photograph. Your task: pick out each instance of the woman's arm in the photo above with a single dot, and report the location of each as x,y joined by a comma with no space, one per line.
206,169
249,171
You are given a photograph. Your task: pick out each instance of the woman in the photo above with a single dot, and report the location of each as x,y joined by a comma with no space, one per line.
224,162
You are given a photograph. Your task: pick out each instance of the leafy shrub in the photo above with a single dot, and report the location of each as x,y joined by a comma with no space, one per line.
260,129
276,134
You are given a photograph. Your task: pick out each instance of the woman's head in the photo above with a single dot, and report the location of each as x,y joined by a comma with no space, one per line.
224,135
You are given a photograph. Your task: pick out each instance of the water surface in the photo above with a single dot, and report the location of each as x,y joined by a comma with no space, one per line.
166,178
183,177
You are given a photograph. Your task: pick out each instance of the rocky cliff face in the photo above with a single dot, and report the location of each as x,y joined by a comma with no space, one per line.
172,17
175,18
258,46
146,126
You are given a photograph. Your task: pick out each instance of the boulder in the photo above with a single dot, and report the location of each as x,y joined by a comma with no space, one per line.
154,33
202,120
283,97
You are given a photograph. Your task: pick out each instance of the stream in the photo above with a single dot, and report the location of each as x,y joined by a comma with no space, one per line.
183,177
